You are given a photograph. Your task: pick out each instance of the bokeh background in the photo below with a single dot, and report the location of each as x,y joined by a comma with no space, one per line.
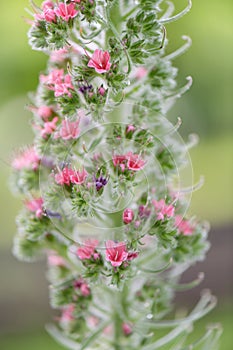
206,110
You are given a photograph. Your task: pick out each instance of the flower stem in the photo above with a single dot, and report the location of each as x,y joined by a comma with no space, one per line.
117,330
114,20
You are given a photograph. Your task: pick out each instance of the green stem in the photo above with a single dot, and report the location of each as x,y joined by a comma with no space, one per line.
114,21
117,327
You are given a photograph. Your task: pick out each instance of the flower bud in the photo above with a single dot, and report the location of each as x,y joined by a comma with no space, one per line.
128,216
101,91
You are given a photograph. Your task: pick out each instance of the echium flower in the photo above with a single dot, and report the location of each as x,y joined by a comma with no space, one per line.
67,314
68,176
58,56
128,216
85,88
127,329
88,249
35,206
162,209
28,159
55,260
100,61
48,13
143,211
82,286
94,202
100,182
69,130
59,82
128,161
49,127
66,11
116,253
134,162
184,226
44,112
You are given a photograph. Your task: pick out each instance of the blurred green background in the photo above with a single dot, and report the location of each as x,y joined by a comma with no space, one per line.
206,110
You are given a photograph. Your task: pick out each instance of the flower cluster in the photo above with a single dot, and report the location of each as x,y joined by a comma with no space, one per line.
58,82
28,159
69,176
99,180
128,161
53,20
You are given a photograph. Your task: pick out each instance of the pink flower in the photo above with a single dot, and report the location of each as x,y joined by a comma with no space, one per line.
35,206
108,330
163,209
120,160
141,72
128,216
47,4
92,321
183,226
129,161
100,60
101,90
59,82
130,128
87,250
27,160
63,87
135,163
63,177
132,256
55,260
78,177
85,290
66,12
116,253
69,176
44,112
126,328
143,211
83,287
49,127
69,130
58,56
67,314
137,223
55,76
48,13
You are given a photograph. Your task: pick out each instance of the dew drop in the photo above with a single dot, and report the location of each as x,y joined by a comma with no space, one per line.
149,316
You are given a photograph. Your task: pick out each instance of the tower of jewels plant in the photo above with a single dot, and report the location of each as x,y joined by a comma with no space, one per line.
102,186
